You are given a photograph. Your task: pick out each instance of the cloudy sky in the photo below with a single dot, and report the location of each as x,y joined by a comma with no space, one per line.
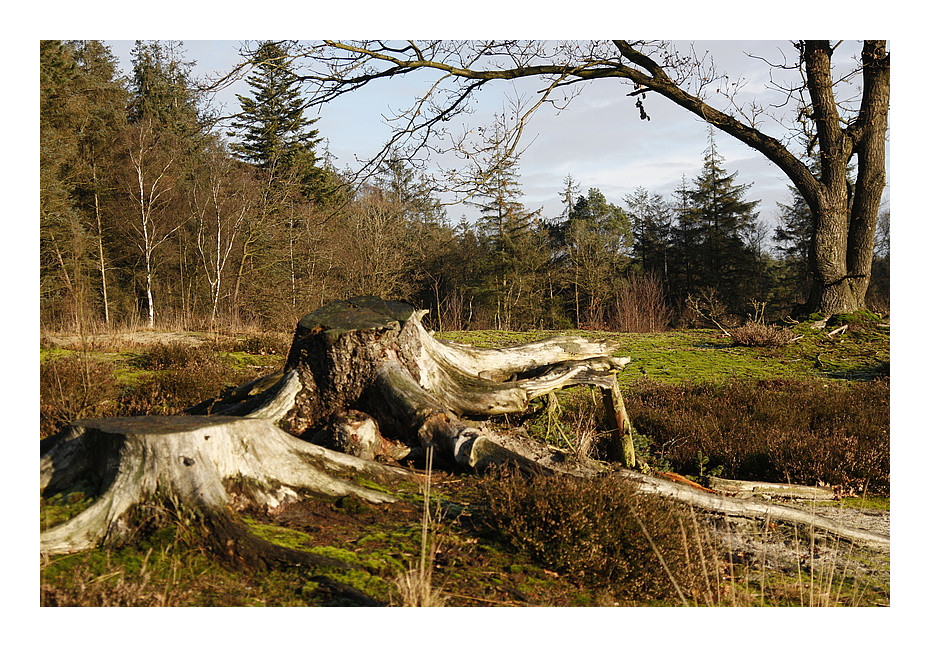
599,139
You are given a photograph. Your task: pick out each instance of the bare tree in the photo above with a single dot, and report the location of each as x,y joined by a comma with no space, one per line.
845,213
220,204
151,179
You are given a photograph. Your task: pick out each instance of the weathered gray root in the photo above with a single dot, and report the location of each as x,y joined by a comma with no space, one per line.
782,490
752,509
347,350
471,381
208,465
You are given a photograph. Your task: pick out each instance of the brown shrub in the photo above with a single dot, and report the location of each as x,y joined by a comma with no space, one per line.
176,376
74,387
640,306
602,534
770,430
758,334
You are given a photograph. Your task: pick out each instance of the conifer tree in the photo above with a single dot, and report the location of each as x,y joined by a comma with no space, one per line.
713,231
514,240
273,132
162,88
597,237
651,219
792,239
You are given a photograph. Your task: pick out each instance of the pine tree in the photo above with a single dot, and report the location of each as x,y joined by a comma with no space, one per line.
713,231
273,132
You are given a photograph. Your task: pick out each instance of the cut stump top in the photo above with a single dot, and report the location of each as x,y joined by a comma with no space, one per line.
357,313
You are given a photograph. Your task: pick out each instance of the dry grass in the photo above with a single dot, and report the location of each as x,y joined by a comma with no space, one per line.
755,334
115,587
158,379
415,584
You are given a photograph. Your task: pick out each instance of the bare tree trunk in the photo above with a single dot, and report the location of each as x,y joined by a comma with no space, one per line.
100,256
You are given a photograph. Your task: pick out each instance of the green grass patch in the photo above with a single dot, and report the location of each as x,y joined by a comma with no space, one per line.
708,355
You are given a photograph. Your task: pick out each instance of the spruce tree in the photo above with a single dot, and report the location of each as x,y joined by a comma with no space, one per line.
651,220
162,88
713,230
515,244
273,132
792,239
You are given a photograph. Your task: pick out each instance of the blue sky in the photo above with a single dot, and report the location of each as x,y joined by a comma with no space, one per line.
599,139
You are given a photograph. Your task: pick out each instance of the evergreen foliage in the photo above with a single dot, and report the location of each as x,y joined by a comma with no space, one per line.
147,216
274,134
162,87
711,239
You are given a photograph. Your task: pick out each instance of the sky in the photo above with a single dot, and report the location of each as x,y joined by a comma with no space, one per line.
599,139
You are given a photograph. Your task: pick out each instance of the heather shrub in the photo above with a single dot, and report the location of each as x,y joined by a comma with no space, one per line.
266,344
774,430
165,379
601,533
171,355
761,335
74,387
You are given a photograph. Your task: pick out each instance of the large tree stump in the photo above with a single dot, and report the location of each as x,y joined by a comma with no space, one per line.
206,468
375,357
362,375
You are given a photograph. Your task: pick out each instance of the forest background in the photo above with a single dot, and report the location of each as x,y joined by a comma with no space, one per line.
910,231
158,210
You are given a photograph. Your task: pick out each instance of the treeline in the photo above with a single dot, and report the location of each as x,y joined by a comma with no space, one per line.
153,214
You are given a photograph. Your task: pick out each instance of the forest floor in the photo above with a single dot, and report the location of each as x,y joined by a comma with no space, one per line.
469,561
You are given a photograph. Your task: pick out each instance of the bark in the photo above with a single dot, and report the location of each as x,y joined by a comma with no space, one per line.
204,467
365,376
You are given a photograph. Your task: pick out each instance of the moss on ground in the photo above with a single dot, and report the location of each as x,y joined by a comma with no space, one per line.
708,355
471,565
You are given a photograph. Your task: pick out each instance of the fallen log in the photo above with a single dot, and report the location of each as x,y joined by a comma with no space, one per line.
763,489
750,509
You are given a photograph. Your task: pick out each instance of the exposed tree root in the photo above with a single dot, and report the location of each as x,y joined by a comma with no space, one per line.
365,374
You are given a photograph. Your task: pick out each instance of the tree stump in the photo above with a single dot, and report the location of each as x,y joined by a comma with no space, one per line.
375,357
205,468
362,375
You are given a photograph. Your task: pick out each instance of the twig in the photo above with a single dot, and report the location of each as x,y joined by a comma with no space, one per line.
839,330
